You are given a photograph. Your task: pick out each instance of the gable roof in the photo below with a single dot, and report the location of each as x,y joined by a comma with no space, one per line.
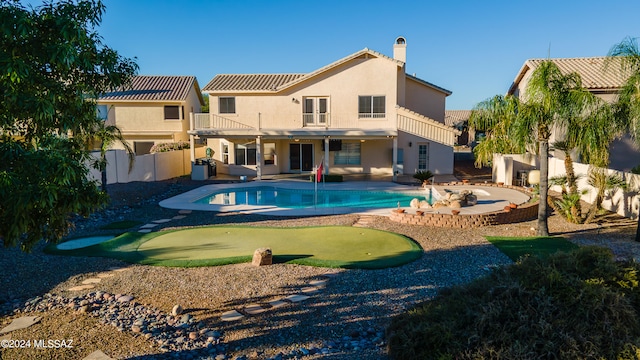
156,88
454,117
595,75
279,82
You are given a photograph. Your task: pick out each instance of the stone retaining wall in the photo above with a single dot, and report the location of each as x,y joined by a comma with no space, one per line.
524,212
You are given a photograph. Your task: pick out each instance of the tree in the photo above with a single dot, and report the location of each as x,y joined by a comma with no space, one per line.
53,67
107,136
626,55
552,100
495,116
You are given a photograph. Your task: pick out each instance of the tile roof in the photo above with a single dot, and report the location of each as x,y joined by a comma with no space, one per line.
453,117
595,75
436,87
249,82
154,88
277,82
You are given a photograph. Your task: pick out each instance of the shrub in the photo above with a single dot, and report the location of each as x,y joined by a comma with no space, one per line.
573,305
423,175
327,178
164,147
636,170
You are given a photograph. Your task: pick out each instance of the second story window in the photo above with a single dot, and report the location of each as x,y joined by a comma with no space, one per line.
372,107
227,105
172,112
103,112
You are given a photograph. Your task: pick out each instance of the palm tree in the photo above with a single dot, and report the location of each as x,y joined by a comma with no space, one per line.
626,54
107,136
495,116
551,100
601,180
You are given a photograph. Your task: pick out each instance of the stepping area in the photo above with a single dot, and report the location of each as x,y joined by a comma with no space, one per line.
311,289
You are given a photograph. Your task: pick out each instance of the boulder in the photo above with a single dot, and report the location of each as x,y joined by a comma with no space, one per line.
424,204
415,203
262,256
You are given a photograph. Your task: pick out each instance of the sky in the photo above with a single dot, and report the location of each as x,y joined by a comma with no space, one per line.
472,48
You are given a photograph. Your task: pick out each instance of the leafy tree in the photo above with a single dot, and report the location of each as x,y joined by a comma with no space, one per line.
53,67
626,55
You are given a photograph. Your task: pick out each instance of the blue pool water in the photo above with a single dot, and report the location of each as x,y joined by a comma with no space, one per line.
296,199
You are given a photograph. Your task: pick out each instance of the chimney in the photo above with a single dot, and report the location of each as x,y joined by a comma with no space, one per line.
400,49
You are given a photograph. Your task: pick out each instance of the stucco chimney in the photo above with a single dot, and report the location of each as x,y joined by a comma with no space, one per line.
400,49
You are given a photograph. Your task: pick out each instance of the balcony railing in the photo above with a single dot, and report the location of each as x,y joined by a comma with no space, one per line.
371,115
279,121
405,120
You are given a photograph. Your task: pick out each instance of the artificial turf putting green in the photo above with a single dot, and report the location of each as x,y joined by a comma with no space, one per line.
517,247
325,246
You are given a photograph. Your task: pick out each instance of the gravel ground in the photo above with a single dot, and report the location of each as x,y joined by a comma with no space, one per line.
345,320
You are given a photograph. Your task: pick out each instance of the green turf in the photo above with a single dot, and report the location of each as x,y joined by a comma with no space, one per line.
325,246
517,247
121,225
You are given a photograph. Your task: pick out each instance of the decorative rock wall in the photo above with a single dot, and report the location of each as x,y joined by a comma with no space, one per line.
524,212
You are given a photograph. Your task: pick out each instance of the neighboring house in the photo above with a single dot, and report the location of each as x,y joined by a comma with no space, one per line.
153,110
360,114
459,119
604,82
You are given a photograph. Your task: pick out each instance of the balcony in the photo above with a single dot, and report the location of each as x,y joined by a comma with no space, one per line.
279,121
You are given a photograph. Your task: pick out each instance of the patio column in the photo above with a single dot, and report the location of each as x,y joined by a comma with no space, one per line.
326,155
259,157
192,143
394,167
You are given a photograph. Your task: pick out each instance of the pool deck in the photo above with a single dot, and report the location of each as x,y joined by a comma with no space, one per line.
489,200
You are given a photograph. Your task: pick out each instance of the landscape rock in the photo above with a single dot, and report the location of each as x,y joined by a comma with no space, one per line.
177,310
262,256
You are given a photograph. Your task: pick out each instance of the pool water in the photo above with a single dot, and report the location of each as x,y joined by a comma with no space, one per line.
296,199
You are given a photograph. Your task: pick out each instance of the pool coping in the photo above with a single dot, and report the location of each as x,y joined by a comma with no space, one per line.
185,201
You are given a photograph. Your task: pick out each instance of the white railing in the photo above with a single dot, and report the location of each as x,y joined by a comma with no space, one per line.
213,121
371,115
202,121
417,124
280,121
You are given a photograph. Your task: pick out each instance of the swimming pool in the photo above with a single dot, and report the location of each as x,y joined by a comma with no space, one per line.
307,198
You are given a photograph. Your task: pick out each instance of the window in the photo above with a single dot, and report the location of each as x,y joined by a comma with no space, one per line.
372,107
246,154
103,112
227,105
172,112
269,153
348,155
423,157
142,147
315,110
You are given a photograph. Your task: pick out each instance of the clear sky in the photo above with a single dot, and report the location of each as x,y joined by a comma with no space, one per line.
473,48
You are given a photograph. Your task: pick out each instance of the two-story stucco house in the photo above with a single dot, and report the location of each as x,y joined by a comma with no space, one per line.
359,114
154,109
604,82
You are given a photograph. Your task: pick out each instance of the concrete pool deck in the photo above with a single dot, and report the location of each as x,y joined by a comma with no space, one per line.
489,199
